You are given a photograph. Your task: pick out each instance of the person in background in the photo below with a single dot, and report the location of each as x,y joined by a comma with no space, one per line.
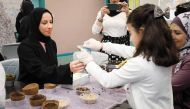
22,19
27,0
1,57
38,53
181,8
180,28
147,73
2,88
112,24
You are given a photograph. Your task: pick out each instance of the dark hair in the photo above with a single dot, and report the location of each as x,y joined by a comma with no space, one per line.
27,0
181,8
156,42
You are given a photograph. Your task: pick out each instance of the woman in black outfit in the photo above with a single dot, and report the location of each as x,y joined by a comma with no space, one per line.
37,53
21,24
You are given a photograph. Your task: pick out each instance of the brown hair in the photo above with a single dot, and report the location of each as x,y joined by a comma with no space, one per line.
157,42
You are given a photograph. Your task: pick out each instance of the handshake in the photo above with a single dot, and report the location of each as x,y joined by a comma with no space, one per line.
83,55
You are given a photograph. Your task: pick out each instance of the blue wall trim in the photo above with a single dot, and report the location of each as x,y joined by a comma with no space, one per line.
39,3
65,54
42,3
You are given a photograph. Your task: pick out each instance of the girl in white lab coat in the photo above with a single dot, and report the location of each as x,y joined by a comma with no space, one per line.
148,69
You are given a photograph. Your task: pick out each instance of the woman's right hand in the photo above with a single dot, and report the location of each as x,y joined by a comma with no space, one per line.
76,66
104,10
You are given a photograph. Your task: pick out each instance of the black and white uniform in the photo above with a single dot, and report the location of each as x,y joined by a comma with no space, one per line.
114,30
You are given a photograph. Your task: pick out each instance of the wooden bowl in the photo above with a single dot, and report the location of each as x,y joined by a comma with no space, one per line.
31,89
10,77
17,96
37,100
50,104
49,86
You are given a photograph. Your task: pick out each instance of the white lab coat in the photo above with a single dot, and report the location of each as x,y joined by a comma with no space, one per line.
148,85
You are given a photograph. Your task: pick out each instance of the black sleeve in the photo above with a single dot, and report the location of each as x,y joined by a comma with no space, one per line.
63,68
32,69
17,24
24,28
1,57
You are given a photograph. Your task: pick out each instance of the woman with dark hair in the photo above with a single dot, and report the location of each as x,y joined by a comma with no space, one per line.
147,73
38,53
180,28
112,25
22,25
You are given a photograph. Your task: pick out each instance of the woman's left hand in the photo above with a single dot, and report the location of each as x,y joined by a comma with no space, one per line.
76,66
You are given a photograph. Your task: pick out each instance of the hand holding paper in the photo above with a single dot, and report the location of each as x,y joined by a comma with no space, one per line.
84,56
93,44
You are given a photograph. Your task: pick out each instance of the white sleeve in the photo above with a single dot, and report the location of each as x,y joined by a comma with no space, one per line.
130,72
119,49
2,88
95,28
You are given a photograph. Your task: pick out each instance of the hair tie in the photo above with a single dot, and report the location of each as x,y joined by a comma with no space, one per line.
158,12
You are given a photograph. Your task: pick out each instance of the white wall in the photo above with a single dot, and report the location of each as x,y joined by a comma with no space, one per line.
8,12
164,3
73,20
